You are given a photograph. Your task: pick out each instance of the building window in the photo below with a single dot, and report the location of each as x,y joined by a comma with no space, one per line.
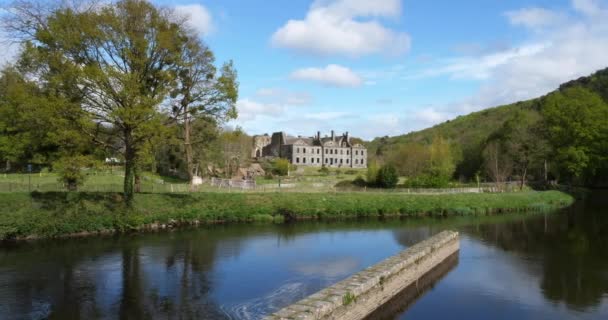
297,150
304,160
326,160
346,161
356,152
297,160
318,151
318,160
356,161
347,152
304,150
341,161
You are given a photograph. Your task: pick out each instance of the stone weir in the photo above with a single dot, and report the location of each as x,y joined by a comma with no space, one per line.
359,296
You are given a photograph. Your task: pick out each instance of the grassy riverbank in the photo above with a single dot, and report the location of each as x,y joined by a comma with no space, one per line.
24,215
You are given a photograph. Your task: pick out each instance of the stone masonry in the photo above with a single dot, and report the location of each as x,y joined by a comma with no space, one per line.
358,296
330,151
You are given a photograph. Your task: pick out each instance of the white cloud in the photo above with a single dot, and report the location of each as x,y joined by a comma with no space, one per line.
199,18
327,116
430,116
344,27
332,75
588,7
535,18
250,110
481,67
283,96
563,52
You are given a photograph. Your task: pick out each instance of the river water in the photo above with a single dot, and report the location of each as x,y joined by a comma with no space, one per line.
538,266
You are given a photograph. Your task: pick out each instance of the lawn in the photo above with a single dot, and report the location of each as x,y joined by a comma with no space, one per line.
53,214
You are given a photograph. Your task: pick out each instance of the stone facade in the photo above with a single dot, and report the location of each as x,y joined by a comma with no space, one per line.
357,297
333,151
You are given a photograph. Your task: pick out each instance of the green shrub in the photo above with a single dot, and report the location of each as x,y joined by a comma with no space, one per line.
359,181
387,177
324,170
70,171
281,167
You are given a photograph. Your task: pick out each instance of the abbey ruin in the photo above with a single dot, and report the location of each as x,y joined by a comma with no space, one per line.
330,151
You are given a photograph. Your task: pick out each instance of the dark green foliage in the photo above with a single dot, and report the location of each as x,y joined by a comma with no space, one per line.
577,124
387,177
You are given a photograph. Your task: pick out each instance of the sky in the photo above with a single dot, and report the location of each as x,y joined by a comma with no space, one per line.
389,67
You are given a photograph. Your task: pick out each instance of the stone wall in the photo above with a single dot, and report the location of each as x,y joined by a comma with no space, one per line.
358,296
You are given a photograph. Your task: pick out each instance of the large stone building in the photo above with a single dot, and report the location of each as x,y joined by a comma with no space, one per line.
333,151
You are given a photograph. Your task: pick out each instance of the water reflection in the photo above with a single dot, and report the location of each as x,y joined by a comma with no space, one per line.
553,265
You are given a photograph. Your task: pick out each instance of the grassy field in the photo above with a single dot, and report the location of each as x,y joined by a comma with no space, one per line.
24,215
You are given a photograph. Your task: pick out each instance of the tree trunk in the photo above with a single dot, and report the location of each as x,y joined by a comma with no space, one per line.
137,181
523,178
8,166
188,149
130,158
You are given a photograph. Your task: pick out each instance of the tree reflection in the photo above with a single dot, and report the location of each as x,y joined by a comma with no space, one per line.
572,248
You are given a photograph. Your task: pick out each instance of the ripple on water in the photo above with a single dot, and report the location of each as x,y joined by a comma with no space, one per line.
259,307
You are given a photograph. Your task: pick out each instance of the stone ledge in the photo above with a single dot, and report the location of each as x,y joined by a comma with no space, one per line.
361,294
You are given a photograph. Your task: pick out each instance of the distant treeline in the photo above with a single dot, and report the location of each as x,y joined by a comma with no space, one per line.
558,138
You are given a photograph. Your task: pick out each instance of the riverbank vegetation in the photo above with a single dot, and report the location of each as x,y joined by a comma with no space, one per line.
24,215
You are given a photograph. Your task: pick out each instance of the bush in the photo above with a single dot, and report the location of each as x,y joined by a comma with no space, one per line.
387,177
70,172
359,181
372,173
324,170
281,167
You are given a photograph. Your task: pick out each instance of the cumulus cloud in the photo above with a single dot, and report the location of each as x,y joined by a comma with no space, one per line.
199,17
535,18
344,27
332,75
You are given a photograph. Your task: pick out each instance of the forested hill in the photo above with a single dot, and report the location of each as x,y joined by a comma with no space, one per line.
576,113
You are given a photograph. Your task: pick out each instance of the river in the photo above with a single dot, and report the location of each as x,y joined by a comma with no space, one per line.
517,266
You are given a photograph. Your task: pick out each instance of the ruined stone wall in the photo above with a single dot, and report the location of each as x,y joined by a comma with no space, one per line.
358,296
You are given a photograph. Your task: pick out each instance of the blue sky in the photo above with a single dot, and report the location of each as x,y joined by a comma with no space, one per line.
388,67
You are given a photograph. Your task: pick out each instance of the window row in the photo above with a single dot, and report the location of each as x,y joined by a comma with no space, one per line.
330,161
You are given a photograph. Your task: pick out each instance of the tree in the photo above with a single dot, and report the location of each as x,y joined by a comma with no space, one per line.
280,167
387,177
441,164
117,62
577,125
524,142
410,159
497,163
70,171
201,93
372,173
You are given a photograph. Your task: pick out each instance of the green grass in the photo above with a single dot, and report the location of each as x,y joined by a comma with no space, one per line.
54,214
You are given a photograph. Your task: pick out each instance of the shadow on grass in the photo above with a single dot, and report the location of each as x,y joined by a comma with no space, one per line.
112,201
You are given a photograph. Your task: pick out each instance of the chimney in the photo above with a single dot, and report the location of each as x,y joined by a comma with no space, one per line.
318,135
347,137
333,136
